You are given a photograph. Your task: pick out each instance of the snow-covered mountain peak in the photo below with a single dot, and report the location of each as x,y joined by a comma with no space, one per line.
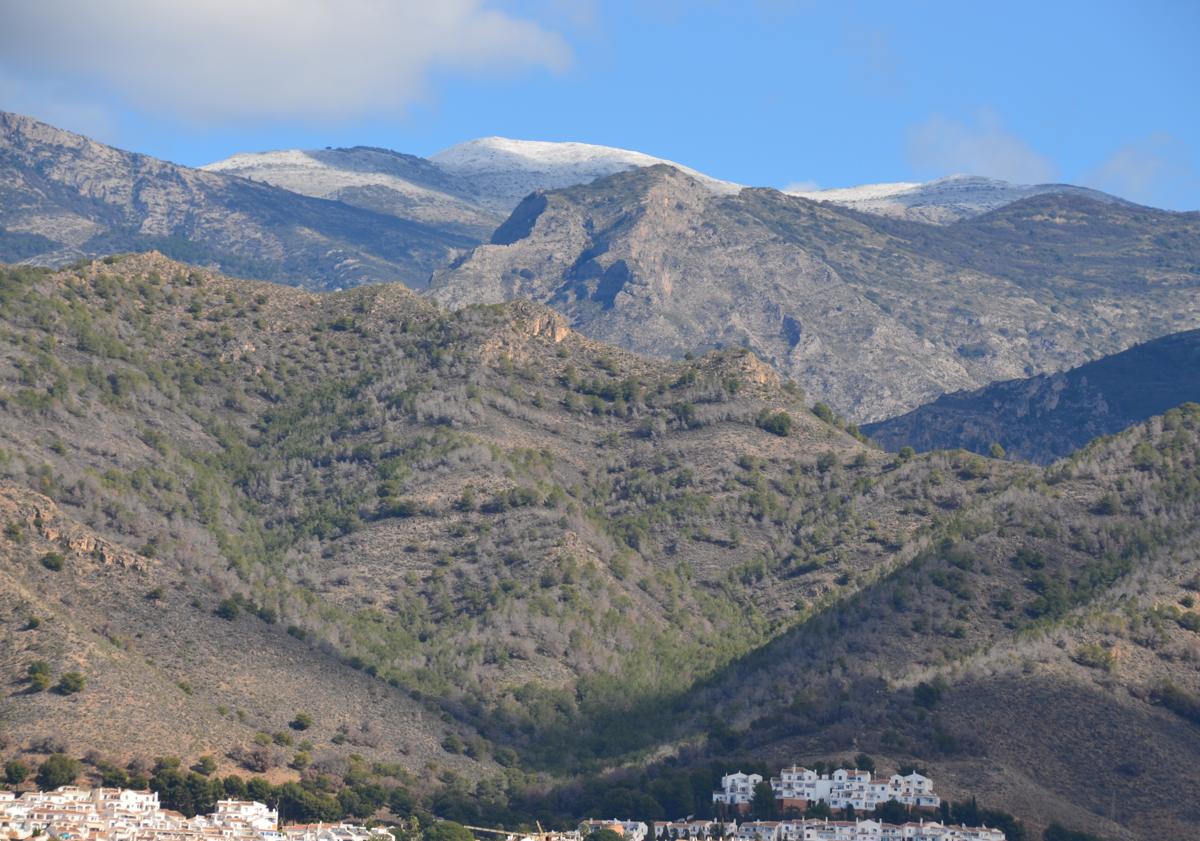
941,201
284,158
550,165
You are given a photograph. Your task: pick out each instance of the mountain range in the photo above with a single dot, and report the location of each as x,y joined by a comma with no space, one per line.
870,311
469,542
63,196
871,314
577,512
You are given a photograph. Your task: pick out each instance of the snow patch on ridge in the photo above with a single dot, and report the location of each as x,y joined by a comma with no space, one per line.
941,201
507,169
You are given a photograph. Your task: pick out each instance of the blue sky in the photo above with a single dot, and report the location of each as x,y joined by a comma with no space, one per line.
764,92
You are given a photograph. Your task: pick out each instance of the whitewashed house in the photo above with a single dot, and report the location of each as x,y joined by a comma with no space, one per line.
758,831
627,829
737,790
797,788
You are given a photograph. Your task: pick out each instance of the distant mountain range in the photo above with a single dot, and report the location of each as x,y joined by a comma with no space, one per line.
842,290
943,201
63,196
1049,416
475,184
872,314
488,177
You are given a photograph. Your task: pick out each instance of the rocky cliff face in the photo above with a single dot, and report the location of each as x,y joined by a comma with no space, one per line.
871,314
1049,416
63,196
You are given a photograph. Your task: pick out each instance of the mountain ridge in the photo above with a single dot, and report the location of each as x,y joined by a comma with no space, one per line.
1047,417
82,198
873,315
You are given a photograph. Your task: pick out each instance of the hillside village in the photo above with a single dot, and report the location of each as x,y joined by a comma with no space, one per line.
797,788
804,797
116,814
798,791
72,813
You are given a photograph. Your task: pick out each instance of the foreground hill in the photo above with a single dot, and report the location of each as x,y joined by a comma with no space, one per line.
63,196
1045,641
473,506
873,315
476,538
1044,418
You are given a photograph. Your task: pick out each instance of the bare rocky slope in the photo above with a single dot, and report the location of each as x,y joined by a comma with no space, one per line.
1046,417
63,196
498,542
871,314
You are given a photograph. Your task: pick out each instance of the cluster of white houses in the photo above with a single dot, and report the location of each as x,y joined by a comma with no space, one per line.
813,829
114,814
797,788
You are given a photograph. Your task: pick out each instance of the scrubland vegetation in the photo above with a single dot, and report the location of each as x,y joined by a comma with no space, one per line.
592,578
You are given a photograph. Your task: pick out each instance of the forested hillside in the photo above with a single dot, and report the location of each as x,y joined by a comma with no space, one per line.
479,540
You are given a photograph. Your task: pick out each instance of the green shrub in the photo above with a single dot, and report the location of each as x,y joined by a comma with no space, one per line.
777,423
39,675
16,772
1095,656
70,683
928,695
302,721
53,561
58,770
228,610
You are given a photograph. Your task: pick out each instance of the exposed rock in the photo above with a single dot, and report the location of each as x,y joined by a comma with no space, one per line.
873,315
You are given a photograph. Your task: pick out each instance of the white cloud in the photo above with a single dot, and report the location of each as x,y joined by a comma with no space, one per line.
942,146
1155,170
312,60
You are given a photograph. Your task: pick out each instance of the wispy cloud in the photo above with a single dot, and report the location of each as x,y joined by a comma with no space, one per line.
1156,170
983,146
310,60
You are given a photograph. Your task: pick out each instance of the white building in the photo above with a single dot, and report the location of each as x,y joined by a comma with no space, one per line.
245,812
759,831
107,814
630,830
737,790
693,829
796,788
333,832
869,830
